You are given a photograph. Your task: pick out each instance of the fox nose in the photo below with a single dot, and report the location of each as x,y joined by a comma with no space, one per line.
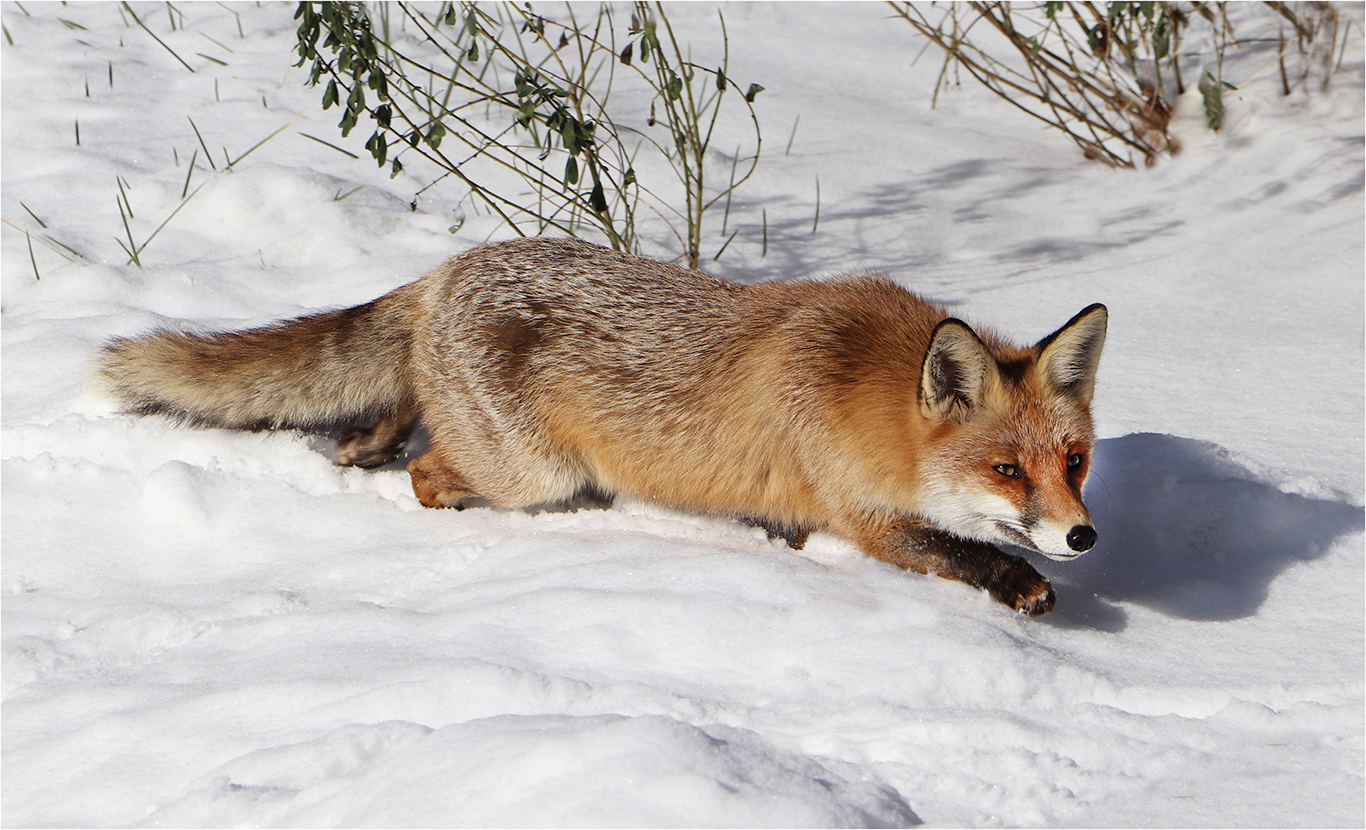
1081,538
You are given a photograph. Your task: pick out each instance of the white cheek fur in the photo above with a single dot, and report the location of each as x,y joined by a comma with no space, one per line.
980,514
969,513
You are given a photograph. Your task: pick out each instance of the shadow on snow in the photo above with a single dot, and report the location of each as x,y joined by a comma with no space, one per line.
1187,531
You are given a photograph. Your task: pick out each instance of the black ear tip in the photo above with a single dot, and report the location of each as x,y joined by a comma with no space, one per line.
953,327
951,322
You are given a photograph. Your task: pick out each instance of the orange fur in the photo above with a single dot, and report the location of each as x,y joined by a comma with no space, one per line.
541,367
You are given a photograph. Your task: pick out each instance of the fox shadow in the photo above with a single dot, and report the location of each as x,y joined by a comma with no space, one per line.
1187,531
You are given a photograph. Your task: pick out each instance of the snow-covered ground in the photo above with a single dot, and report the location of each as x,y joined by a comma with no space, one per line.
211,628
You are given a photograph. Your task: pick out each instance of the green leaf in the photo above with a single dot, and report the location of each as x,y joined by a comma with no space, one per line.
674,87
525,112
570,133
435,134
379,84
380,148
571,172
754,90
330,94
396,169
597,199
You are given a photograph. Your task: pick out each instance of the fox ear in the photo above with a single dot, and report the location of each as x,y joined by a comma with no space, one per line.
954,375
1069,357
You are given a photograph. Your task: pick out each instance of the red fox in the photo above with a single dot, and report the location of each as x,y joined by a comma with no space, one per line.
544,367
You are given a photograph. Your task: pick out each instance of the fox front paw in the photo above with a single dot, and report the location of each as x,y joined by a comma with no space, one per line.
1022,588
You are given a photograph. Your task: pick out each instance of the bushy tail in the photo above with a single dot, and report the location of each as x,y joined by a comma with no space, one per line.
324,372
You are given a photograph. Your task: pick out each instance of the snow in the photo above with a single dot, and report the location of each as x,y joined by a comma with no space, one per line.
206,628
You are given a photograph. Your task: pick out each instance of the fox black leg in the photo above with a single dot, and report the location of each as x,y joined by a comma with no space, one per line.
924,549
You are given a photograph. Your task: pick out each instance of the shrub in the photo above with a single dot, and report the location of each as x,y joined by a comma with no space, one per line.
518,107
1108,74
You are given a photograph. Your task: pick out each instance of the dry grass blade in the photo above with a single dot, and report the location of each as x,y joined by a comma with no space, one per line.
138,20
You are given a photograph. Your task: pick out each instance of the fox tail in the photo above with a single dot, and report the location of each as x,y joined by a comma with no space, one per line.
321,373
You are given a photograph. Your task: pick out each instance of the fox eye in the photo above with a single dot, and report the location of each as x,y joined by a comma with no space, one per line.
1074,460
1007,470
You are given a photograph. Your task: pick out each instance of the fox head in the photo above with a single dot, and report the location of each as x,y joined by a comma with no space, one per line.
1012,435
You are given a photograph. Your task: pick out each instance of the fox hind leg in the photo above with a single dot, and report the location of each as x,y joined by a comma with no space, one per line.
918,547
794,536
378,444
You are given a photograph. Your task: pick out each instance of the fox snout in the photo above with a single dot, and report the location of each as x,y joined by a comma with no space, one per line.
1077,540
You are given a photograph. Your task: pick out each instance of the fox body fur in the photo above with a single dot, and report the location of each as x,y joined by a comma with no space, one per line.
544,367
